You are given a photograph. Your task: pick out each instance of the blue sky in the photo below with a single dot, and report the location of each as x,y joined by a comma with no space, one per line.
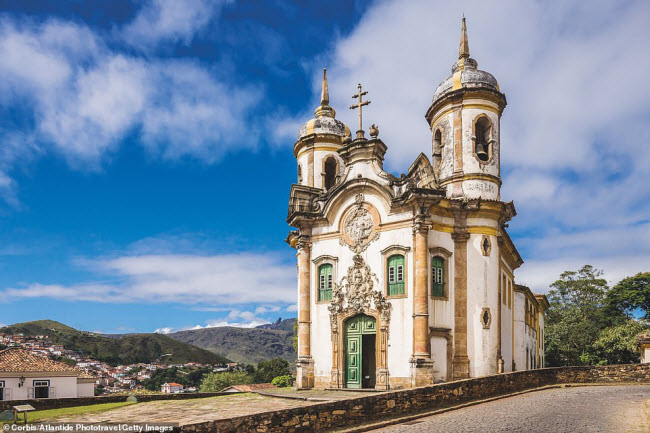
145,147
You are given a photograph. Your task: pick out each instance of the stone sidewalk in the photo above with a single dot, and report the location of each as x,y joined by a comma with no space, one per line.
213,408
188,411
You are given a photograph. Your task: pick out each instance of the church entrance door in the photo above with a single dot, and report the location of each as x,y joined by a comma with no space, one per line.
360,353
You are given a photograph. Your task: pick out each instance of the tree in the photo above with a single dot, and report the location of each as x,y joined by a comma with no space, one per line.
617,344
267,370
576,316
632,294
215,382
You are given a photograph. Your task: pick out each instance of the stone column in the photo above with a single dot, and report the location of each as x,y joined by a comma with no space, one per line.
421,363
304,363
460,237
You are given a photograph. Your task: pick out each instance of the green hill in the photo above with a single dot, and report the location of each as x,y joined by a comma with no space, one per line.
125,349
249,345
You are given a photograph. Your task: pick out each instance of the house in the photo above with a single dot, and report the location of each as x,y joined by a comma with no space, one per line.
25,375
171,388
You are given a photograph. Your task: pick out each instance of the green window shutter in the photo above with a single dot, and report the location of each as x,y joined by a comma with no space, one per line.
396,275
438,277
325,282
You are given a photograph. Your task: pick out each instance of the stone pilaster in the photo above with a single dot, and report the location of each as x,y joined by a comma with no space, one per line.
305,363
460,363
500,363
421,363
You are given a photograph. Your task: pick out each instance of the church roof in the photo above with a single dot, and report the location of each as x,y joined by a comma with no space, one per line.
470,75
16,359
324,121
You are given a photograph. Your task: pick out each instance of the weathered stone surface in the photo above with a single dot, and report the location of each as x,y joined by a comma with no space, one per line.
360,410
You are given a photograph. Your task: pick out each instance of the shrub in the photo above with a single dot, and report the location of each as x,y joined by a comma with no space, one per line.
215,382
267,370
283,381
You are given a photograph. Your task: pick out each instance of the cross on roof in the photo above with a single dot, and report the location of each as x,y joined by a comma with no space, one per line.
360,105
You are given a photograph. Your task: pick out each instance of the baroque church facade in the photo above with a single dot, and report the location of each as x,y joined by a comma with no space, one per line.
409,281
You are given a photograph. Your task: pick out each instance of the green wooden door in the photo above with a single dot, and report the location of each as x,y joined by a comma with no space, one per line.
355,328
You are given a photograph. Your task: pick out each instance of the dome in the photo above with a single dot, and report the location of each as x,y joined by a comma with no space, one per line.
470,76
325,121
324,125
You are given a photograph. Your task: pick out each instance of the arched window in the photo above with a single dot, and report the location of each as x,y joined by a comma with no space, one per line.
396,275
437,141
438,276
330,172
299,173
325,282
483,139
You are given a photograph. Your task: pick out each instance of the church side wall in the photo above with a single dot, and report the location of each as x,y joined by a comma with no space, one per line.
482,283
520,331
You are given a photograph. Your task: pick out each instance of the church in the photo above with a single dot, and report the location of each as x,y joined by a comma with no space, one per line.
409,281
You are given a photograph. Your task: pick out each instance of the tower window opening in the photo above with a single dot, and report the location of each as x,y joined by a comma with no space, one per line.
330,172
437,141
482,133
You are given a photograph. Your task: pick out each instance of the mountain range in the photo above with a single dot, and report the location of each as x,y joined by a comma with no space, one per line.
209,345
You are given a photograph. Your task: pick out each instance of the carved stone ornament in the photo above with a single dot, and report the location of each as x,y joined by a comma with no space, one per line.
358,227
355,294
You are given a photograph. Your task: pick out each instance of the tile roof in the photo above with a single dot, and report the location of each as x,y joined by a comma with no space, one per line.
16,359
252,387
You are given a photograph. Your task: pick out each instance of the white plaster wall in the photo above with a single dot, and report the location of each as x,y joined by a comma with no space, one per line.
542,347
520,331
64,387
85,389
439,356
482,285
401,326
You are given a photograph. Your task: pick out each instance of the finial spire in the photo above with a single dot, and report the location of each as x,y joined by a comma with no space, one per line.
324,108
325,93
463,51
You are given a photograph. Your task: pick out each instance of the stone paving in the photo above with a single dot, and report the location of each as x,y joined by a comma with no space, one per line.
188,411
607,409
318,394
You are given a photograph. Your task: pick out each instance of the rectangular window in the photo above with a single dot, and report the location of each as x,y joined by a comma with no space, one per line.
41,389
438,277
2,390
325,282
395,275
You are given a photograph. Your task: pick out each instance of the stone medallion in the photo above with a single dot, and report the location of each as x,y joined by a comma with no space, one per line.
359,227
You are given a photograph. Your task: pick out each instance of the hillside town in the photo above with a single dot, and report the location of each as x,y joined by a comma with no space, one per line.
109,379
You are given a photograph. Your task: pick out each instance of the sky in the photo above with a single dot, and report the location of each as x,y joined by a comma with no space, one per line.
146,146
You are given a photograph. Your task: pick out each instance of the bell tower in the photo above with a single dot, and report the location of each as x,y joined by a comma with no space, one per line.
319,164
464,118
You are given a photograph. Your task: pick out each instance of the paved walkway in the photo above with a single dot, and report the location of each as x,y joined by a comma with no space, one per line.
607,409
188,411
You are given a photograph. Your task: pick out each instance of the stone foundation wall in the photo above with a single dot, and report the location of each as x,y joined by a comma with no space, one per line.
392,404
55,403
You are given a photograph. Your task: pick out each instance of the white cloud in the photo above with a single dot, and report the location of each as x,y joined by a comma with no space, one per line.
170,20
228,279
84,94
215,323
